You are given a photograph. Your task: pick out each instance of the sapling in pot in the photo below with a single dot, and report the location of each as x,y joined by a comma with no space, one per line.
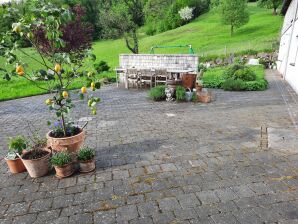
86,159
63,165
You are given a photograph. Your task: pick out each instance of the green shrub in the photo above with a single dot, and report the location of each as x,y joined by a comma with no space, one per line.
102,66
86,154
261,84
194,97
17,144
239,71
158,93
60,159
233,85
180,93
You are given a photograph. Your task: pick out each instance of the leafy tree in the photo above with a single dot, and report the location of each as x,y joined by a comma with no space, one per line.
123,19
270,4
234,13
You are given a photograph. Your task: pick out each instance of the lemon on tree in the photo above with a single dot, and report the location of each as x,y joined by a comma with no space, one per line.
84,90
20,70
65,94
49,101
57,68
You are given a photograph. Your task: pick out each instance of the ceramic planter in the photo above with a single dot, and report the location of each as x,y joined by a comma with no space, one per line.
87,166
188,81
37,167
199,87
71,144
64,171
204,98
15,165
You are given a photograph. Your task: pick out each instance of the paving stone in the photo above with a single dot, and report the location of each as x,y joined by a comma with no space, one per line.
18,209
168,167
188,200
135,199
247,216
47,215
208,197
226,194
61,220
41,205
225,218
71,210
147,209
164,218
186,214
120,174
126,213
105,217
62,201
75,189
81,218
24,219
84,197
169,204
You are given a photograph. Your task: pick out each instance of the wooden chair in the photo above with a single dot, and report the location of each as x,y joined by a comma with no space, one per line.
132,77
146,77
161,76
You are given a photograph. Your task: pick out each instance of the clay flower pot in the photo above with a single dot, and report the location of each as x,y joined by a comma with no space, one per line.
64,171
71,144
37,167
204,98
87,166
199,87
15,165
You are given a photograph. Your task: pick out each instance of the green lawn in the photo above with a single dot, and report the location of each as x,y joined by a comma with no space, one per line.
206,34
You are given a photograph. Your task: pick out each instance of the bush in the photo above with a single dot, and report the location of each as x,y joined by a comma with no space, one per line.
180,93
17,144
102,66
239,71
86,154
158,93
60,159
233,85
256,85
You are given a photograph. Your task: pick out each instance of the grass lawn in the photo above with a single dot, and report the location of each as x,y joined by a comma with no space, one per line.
206,34
213,78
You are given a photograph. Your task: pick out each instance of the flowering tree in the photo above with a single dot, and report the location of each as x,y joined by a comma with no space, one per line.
63,43
186,13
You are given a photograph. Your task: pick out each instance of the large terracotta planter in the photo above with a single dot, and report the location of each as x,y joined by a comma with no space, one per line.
64,171
15,165
71,144
189,80
87,166
37,167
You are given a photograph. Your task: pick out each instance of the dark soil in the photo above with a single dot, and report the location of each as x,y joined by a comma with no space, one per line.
74,131
35,154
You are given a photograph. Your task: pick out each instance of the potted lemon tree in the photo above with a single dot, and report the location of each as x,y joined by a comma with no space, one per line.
62,42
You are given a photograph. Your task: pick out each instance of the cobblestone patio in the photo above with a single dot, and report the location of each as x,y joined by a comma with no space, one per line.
165,162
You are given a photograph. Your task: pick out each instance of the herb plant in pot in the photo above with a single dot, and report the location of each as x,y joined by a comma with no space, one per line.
86,159
63,164
37,159
16,146
63,62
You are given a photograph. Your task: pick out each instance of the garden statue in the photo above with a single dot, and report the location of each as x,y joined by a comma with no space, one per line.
170,94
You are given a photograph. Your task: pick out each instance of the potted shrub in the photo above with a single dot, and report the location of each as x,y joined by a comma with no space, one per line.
62,60
16,146
63,164
37,159
86,159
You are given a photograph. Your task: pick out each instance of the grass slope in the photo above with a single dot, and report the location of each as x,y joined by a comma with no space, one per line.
206,34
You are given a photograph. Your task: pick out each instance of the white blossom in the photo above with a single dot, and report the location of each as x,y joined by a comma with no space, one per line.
186,13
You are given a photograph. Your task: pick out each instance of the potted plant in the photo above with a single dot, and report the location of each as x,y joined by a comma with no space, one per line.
199,85
16,146
37,159
62,60
86,159
63,165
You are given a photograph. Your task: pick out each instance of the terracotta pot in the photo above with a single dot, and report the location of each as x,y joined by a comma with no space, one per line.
87,166
199,88
37,167
15,165
71,144
204,98
188,80
64,171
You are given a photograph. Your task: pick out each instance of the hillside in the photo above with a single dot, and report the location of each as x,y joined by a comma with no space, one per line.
207,36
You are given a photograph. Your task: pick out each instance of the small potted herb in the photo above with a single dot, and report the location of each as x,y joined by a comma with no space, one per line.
16,146
37,159
86,159
63,164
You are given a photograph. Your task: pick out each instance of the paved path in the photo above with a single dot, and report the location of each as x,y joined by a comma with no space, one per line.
164,162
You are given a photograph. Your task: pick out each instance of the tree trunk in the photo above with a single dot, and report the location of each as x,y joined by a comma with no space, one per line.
274,11
135,48
232,30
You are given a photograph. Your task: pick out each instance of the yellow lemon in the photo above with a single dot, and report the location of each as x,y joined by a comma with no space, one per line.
90,74
20,70
57,68
49,101
84,89
65,94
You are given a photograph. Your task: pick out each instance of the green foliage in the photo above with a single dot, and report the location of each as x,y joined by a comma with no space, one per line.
194,97
17,144
213,78
258,85
60,159
180,93
234,13
102,66
238,71
158,93
233,85
86,154
270,4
